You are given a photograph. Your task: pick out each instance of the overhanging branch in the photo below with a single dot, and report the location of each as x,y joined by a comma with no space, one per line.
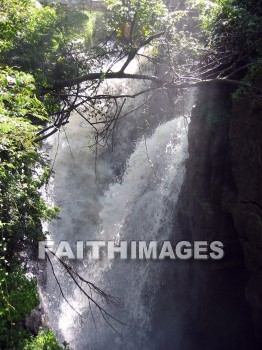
158,81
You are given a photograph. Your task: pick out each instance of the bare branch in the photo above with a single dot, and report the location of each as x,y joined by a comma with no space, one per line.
132,53
74,275
158,81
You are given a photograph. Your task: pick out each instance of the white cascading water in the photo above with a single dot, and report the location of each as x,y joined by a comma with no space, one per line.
98,206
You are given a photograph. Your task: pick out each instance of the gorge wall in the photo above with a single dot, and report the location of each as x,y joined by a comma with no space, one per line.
221,199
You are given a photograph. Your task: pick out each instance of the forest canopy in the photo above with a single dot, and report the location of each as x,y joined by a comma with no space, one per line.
71,51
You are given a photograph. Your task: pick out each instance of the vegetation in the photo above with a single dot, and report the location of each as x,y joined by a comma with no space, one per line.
23,171
53,61
231,30
44,340
18,298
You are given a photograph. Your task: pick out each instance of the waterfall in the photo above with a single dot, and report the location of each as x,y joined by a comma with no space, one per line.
97,204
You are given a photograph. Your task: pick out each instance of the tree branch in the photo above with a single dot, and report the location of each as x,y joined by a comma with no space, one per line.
158,81
133,52
110,300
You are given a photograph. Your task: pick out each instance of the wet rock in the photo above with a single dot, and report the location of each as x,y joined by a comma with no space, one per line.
221,199
36,320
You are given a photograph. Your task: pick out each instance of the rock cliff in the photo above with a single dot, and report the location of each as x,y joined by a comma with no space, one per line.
221,199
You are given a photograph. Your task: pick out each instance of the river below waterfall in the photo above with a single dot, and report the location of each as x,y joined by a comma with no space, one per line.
128,194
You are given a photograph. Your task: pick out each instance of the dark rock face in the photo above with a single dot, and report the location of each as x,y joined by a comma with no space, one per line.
246,162
36,320
221,199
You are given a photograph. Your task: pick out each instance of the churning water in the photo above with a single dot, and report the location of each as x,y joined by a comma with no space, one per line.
98,205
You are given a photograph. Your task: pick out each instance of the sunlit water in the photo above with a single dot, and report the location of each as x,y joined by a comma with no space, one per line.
98,205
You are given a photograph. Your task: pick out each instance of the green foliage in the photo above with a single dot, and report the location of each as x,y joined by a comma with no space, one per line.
45,340
143,18
42,40
23,168
253,72
18,297
23,171
239,19
182,46
17,97
226,38
231,27
39,40
12,21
